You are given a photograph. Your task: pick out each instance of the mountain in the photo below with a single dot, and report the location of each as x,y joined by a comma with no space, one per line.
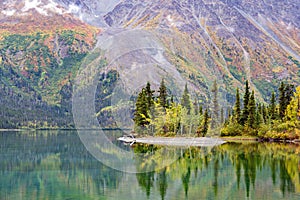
44,42
233,40
41,47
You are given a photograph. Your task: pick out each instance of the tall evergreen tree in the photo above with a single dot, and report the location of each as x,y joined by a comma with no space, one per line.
286,92
141,115
264,113
246,104
215,111
237,107
185,100
205,123
289,93
252,111
149,96
163,94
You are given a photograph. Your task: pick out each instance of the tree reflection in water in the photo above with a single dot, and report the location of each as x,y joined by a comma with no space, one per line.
272,161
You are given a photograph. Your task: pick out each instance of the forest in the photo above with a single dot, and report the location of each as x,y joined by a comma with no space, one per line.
160,115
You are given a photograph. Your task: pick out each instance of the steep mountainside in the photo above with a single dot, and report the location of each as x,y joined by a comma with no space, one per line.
238,40
43,42
224,39
41,47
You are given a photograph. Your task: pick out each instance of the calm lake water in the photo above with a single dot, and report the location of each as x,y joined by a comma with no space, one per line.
56,165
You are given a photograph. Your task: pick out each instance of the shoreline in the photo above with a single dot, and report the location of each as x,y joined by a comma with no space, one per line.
176,141
226,138
62,129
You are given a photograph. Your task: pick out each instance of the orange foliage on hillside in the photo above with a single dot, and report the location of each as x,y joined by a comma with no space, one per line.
34,22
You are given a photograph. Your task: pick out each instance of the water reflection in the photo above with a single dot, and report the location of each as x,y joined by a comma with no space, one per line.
55,165
259,170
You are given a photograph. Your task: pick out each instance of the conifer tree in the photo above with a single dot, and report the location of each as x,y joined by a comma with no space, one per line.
246,104
252,111
264,113
163,94
237,107
205,123
141,114
149,96
285,95
185,101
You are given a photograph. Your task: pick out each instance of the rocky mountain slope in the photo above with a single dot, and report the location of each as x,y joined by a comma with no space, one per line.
43,43
228,40
41,47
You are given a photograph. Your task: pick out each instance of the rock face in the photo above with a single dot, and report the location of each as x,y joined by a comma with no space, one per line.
224,39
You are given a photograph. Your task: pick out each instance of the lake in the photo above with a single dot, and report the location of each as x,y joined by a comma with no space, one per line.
56,165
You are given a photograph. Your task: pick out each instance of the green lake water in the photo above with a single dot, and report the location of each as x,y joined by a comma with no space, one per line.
56,165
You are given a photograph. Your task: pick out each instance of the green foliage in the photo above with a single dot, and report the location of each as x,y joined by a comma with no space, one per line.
251,112
236,73
237,107
232,129
263,122
245,112
185,100
163,94
203,129
285,95
170,120
39,77
142,110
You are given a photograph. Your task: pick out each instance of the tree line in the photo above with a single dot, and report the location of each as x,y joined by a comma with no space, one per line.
161,115
279,119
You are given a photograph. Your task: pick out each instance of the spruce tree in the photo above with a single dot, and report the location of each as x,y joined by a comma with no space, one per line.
185,100
141,114
289,93
163,94
251,111
149,96
264,113
246,104
258,118
205,123
237,107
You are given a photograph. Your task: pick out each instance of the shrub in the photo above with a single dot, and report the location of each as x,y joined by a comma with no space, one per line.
232,130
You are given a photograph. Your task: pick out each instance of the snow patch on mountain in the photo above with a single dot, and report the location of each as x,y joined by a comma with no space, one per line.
8,12
42,7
